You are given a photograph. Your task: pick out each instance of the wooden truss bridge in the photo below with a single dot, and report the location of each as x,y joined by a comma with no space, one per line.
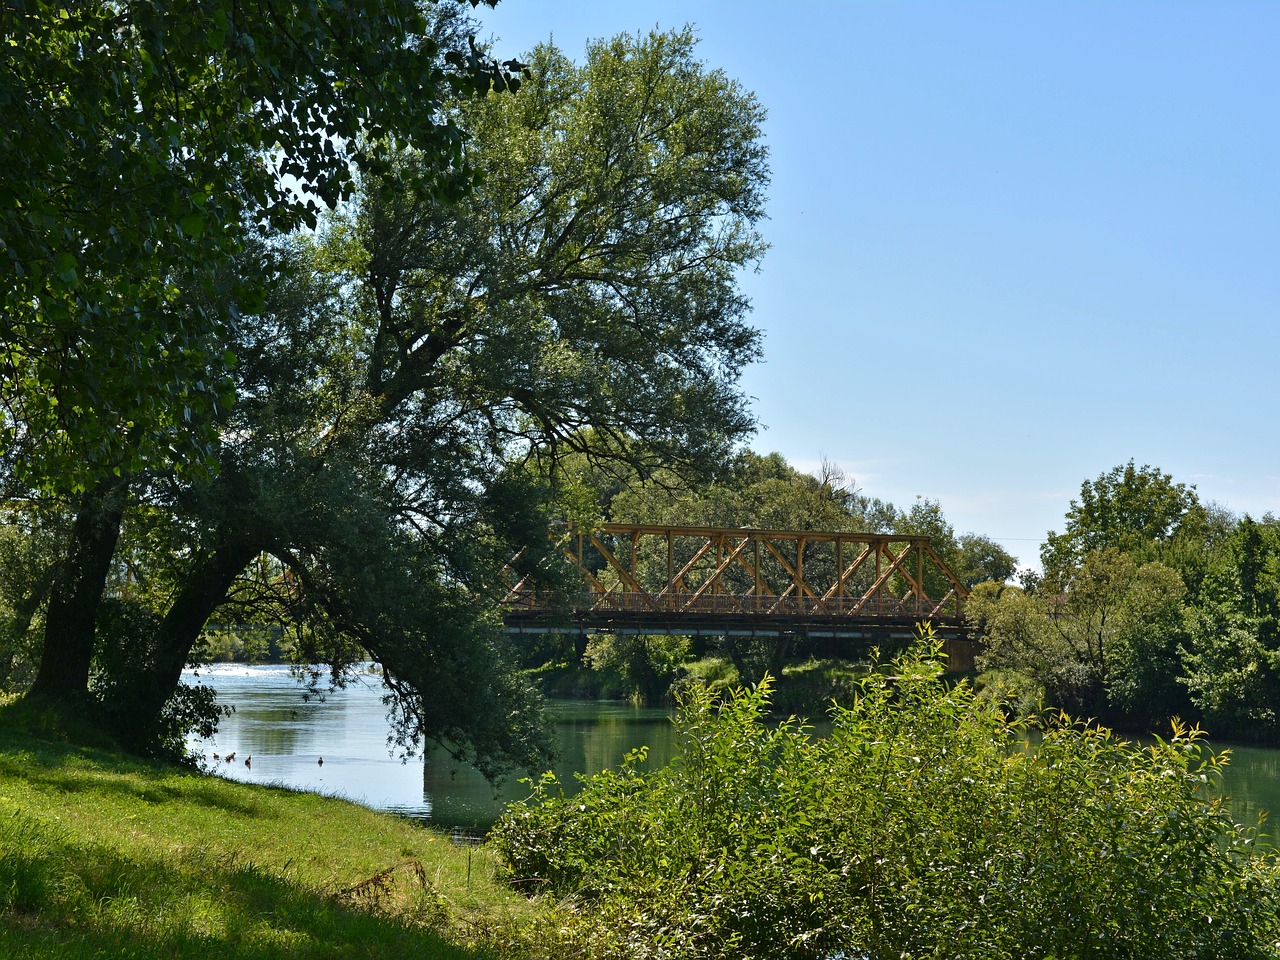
646,579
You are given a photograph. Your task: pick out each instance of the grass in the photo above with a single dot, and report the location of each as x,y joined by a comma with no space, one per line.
108,857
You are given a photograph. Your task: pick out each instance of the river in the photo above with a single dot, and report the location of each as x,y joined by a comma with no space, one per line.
339,746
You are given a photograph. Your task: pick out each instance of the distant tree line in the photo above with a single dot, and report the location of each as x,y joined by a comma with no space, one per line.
1152,605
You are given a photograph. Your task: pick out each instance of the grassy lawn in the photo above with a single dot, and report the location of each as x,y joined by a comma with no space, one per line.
108,857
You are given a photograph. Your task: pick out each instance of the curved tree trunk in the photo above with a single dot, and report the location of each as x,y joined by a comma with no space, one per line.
202,591
63,675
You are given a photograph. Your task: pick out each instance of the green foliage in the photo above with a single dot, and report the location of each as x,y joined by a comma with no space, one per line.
1021,657
1232,652
404,363
1104,644
128,636
979,559
1143,661
143,144
716,674
808,688
244,643
31,539
924,825
754,490
649,664
1132,509
578,681
585,296
417,352
1152,606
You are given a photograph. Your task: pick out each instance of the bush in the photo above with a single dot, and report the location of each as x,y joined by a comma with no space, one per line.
925,825
564,681
716,674
809,688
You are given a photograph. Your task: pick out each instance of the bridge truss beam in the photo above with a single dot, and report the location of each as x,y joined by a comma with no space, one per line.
642,578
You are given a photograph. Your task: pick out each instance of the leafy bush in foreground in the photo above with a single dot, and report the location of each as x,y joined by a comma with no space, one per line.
923,826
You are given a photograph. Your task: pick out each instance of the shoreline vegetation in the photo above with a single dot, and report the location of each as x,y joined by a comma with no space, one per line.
805,687
922,825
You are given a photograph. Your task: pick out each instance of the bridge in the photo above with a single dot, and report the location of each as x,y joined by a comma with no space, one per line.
649,579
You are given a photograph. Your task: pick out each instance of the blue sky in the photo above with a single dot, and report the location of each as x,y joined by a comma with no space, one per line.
1013,244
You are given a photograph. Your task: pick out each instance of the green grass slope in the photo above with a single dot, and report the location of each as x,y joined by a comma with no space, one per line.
108,857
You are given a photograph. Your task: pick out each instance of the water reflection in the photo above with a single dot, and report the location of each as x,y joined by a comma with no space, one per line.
1253,782
278,736
588,738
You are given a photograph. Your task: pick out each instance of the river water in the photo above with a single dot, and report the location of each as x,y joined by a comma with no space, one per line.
339,746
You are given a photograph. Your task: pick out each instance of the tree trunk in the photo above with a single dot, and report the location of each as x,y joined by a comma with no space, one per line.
779,658
202,591
63,675
730,646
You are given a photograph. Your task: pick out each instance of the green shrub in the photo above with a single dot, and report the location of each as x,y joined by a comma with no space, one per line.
925,825
128,640
808,688
579,682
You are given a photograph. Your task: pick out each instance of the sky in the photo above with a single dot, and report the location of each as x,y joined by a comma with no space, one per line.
1013,245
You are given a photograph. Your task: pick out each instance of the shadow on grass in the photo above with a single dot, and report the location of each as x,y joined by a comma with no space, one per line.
67,890
61,899
75,769
193,787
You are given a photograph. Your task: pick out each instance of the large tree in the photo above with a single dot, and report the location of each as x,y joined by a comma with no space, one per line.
418,347
1104,644
1231,658
973,558
145,144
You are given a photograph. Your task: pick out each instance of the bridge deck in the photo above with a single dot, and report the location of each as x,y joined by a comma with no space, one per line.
719,625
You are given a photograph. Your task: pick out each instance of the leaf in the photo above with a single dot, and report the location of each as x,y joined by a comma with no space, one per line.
66,267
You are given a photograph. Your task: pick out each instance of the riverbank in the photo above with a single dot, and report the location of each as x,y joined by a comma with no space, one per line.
108,856
805,688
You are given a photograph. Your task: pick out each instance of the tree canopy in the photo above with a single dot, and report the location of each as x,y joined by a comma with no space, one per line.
1152,606
1128,508
143,142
